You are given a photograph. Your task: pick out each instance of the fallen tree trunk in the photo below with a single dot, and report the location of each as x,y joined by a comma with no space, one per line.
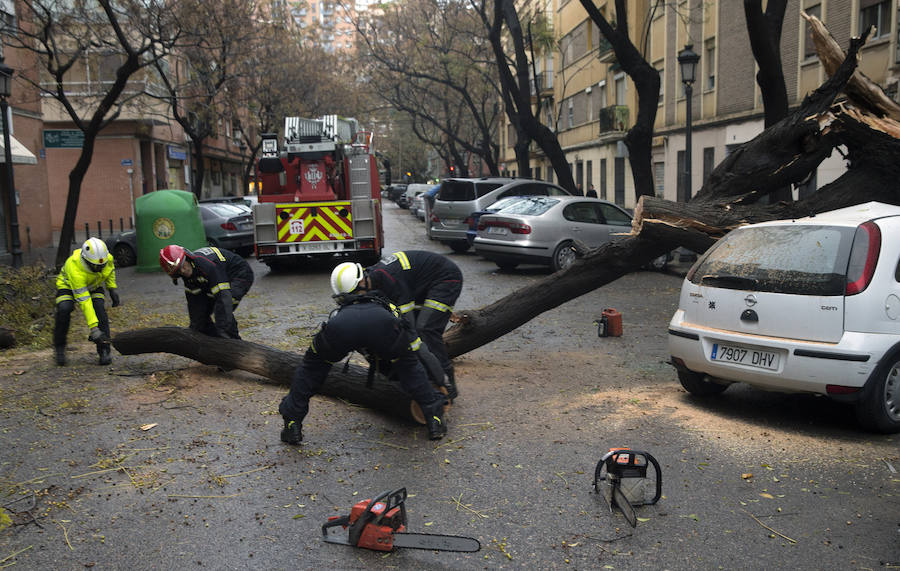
350,384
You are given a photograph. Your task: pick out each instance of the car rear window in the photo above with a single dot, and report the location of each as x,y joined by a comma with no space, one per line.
533,206
456,190
800,260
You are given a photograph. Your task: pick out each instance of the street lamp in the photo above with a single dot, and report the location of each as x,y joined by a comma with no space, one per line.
688,60
6,74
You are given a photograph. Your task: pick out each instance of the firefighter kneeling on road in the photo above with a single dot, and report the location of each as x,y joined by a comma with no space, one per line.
424,285
370,324
81,280
215,280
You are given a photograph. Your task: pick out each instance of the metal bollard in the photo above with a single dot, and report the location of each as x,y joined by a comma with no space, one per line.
110,227
121,224
99,229
87,232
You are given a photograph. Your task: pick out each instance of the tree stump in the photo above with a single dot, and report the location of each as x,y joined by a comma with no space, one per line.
346,382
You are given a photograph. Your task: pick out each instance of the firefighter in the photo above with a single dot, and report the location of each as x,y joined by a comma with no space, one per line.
424,285
81,280
215,280
369,324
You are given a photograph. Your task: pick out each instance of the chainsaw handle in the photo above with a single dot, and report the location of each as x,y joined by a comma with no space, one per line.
391,500
612,456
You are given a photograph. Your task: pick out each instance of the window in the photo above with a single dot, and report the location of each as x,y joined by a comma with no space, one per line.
601,89
809,48
589,175
709,162
710,63
662,80
603,179
614,216
620,89
875,13
8,17
571,113
659,178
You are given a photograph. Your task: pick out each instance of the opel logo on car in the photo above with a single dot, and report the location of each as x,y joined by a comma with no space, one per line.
750,300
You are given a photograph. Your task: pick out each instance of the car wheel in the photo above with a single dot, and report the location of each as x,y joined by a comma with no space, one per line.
879,408
506,265
563,257
124,255
697,385
459,247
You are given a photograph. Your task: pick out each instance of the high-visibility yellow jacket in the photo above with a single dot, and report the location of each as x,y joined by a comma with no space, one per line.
76,277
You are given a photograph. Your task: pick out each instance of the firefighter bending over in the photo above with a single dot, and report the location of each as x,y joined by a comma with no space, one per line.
81,280
424,285
215,280
371,325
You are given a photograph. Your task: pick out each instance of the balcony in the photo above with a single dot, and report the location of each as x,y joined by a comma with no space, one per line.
605,51
613,118
544,84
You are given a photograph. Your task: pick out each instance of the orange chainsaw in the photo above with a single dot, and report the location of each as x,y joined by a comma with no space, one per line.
380,524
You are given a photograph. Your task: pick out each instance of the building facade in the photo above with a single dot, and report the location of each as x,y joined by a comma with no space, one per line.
592,103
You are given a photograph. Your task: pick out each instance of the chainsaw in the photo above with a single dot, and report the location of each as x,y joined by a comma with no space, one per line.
380,524
623,473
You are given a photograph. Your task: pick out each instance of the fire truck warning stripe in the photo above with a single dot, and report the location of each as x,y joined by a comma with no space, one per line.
327,225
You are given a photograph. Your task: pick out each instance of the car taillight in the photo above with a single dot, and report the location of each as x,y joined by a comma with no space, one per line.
229,226
434,218
863,257
469,221
514,227
841,390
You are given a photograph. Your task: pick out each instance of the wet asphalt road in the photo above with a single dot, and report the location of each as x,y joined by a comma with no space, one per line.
750,481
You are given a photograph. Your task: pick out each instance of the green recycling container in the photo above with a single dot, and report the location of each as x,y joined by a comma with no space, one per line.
166,217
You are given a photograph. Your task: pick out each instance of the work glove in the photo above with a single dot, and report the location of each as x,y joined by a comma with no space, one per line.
97,336
114,296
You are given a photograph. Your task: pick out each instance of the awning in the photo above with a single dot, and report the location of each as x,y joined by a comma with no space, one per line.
20,155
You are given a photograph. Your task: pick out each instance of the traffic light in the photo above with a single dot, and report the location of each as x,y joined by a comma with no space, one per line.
452,169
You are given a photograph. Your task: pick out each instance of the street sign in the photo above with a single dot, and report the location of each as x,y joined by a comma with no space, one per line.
127,163
63,138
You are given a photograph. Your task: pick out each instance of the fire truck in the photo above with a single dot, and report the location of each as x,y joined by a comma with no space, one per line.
318,194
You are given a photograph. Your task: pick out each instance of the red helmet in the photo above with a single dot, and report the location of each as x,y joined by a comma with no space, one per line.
171,258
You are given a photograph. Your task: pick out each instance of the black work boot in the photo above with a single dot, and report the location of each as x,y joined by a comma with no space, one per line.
450,384
292,432
434,419
105,352
61,355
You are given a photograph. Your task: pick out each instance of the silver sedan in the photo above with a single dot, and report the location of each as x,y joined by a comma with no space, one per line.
541,230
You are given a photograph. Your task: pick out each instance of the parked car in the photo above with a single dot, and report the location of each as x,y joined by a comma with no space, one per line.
807,305
228,226
123,247
428,199
412,191
459,197
418,206
542,229
246,202
394,191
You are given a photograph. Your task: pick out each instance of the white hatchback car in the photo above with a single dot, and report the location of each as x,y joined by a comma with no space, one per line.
807,305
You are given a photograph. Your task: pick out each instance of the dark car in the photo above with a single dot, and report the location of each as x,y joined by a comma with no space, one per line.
395,191
228,226
123,247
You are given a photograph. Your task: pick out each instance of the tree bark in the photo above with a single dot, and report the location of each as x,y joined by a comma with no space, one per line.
347,383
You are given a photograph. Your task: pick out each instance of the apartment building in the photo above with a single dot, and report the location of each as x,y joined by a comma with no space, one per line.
592,102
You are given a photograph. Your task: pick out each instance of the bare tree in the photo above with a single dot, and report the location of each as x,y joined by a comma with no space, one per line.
128,35
516,80
215,36
639,137
430,61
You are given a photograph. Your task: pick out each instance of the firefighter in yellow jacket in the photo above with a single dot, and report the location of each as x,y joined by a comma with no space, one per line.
81,281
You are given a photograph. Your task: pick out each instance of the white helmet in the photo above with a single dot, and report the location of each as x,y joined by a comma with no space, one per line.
94,254
345,277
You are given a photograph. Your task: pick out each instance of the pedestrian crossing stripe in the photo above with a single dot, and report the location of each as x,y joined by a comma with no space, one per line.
314,222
